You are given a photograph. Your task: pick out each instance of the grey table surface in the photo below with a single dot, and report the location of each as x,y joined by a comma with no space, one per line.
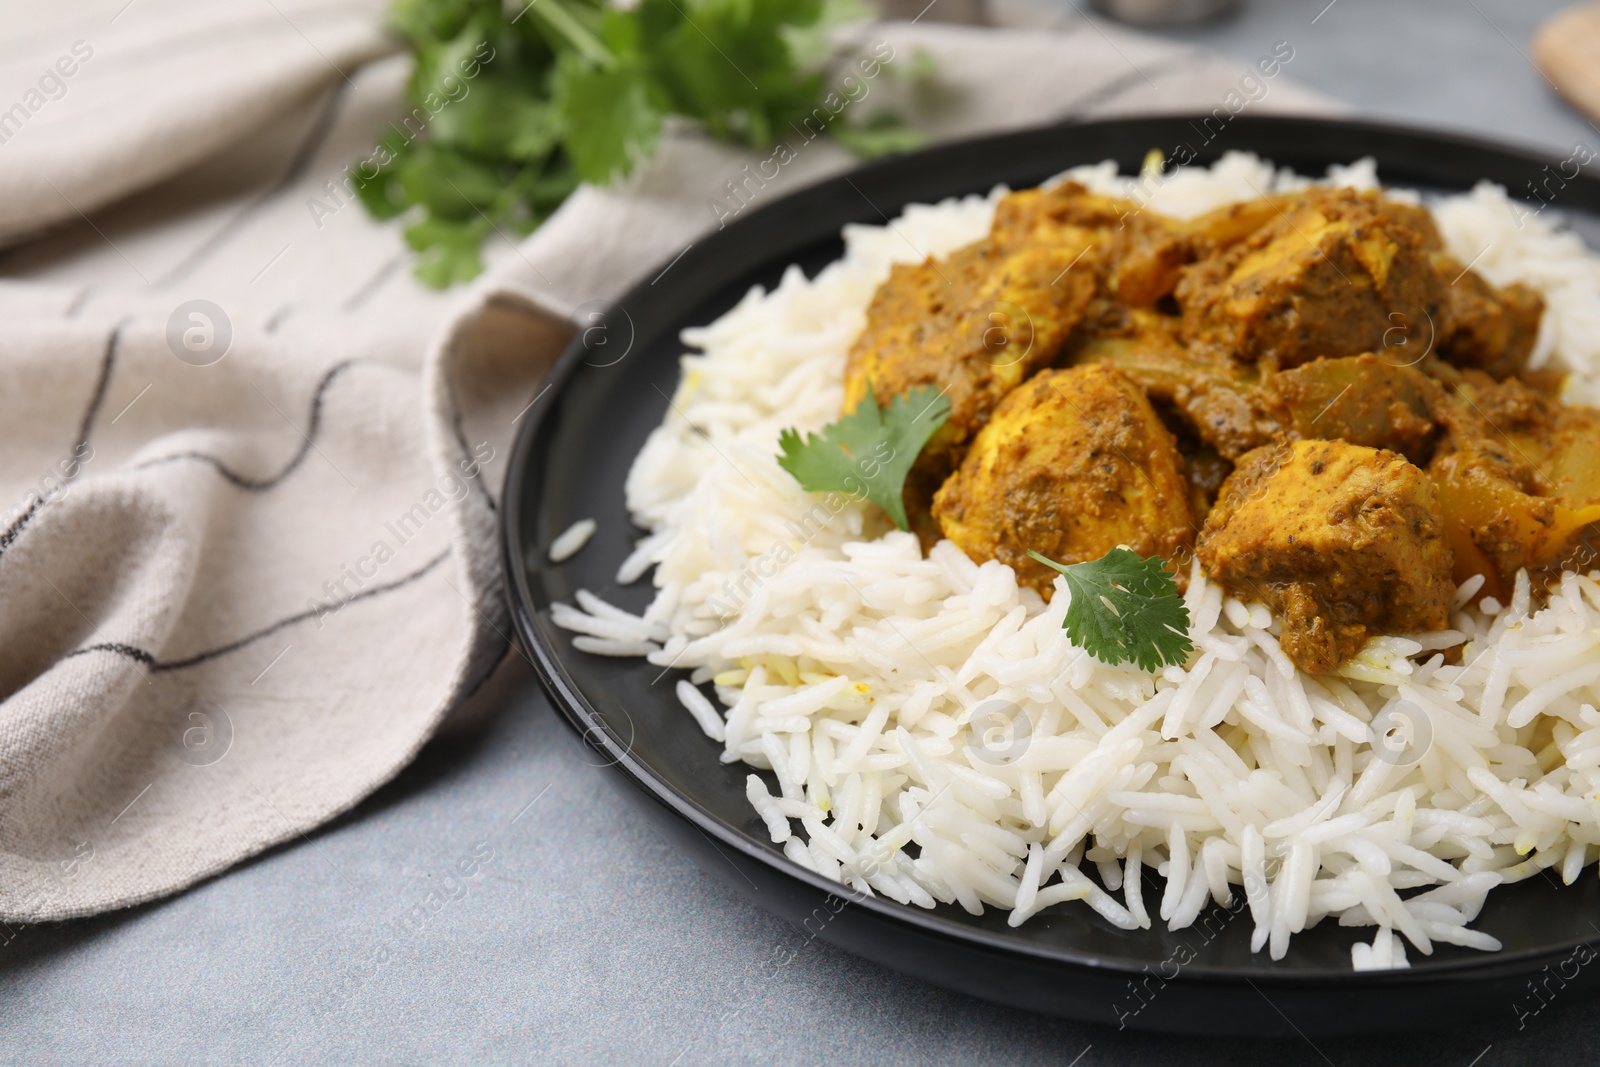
582,938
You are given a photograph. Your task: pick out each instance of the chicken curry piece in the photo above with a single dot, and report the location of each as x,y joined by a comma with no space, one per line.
1332,275
974,326
1520,483
1341,541
1306,390
1073,464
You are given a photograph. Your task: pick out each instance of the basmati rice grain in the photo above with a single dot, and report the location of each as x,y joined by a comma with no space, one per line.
571,540
707,716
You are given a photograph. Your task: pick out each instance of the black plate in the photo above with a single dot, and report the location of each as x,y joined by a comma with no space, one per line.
569,463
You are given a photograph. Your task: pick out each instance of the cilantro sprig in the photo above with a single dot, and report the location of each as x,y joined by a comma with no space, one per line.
514,105
1125,608
870,451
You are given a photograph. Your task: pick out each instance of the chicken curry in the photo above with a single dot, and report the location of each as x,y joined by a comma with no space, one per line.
1306,391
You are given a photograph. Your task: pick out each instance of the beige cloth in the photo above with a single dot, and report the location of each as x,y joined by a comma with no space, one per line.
250,554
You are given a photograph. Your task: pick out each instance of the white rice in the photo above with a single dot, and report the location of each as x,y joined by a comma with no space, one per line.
935,736
571,540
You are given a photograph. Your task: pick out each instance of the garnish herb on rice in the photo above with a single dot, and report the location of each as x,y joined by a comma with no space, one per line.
868,452
1125,609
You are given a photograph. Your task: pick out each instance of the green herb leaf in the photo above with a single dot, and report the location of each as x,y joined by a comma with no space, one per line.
574,27
449,249
1125,608
868,452
380,193
610,119
923,66
513,105
811,43
422,20
881,135
453,185
494,119
728,64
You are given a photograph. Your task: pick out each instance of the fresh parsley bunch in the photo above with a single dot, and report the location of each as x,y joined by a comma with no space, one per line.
513,108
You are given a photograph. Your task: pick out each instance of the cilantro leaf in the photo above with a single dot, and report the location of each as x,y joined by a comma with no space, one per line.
811,43
449,249
573,27
380,192
728,64
923,66
1125,608
869,451
452,184
494,118
881,135
424,19
610,118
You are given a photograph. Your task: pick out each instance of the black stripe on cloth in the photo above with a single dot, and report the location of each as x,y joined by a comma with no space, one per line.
366,289
307,442
157,666
139,655
483,679
277,318
85,426
17,527
320,128
82,298
252,485
107,362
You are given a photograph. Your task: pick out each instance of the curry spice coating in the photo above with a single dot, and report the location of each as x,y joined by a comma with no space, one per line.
1073,464
1336,274
1519,480
1339,540
981,321
974,326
